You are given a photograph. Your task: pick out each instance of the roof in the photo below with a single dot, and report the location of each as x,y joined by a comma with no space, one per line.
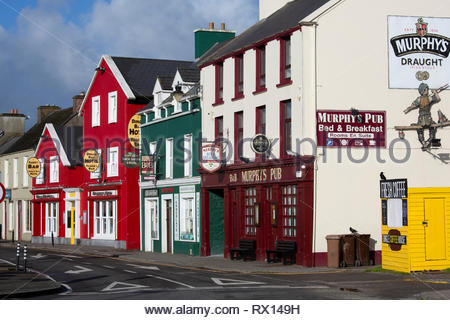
286,18
140,74
165,82
31,138
72,141
190,74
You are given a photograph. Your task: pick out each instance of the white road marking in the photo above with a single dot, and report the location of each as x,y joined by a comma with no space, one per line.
109,267
39,256
80,270
173,281
230,282
129,271
143,267
68,256
116,286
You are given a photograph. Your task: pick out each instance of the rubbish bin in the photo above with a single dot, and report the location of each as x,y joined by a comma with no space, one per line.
348,250
334,250
362,249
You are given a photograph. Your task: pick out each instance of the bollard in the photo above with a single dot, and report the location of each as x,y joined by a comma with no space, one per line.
12,238
17,254
25,258
53,240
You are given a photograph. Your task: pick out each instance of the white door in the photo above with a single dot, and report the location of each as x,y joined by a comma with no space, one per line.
151,223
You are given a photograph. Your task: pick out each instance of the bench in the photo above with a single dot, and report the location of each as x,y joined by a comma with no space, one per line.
247,249
284,250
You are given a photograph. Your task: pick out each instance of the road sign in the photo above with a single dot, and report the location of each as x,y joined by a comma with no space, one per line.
2,192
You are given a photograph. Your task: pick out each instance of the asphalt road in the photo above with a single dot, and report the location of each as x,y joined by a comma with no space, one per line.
97,277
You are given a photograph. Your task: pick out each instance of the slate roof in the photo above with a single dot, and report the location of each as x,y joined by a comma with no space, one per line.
166,82
140,74
190,74
282,20
72,141
31,138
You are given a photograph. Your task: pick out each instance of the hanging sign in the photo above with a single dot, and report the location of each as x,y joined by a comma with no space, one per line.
394,189
134,130
91,160
147,165
131,160
211,157
2,192
351,128
260,144
33,167
419,50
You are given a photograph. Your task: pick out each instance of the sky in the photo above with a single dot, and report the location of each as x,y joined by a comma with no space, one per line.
50,48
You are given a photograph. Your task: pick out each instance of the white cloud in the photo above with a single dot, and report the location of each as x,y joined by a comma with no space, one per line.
47,59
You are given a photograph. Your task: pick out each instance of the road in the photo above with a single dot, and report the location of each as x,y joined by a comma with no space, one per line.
98,277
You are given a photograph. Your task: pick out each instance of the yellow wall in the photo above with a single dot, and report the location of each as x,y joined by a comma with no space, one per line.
412,256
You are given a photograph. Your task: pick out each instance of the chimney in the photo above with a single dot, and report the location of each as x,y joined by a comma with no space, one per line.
12,125
77,101
44,111
206,38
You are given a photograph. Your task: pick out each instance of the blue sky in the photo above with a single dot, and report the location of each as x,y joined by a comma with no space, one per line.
49,48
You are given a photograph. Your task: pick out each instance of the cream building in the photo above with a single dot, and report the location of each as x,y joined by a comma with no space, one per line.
344,55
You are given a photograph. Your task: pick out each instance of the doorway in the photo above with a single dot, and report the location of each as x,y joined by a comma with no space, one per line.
151,228
434,225
216,222
166,224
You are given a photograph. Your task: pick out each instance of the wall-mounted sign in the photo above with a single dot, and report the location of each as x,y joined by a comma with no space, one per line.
131,160
394,239
33,167
260,144
351,128
104,193
91,160
211,157
147,165
150,193
134,130
47,196
418,51
394,189
2,192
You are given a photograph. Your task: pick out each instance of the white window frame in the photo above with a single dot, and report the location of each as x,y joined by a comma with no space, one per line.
188,155
51,222
113,163
24,172
96,111
112,107
27,208
169,158
11,216
40,177
97,173
15,173
184,200
54,169
107,228
6,174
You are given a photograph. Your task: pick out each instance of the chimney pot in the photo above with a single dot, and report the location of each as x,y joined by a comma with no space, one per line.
12,110
211,25
222,26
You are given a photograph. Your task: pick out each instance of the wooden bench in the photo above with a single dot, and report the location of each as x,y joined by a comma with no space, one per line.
284,250
247,249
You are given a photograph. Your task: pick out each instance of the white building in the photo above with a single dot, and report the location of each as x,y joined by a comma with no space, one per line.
327,58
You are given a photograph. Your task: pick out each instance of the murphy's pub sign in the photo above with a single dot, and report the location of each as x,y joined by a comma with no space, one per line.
418,51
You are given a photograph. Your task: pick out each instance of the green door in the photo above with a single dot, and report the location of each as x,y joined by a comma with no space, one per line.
216,223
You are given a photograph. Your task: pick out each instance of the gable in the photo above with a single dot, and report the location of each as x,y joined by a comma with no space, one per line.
50,139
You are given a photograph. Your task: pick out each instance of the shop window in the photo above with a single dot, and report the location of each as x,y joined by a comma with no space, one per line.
11,216
104,219
260,69
154,219
28,215
219,84
187,218
249,217
54,169
289,211
96,111
285,128
112,107
238,134
51,214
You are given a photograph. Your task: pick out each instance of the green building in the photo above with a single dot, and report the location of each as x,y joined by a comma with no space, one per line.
169,181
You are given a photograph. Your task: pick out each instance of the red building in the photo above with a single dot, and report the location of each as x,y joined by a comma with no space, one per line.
120,87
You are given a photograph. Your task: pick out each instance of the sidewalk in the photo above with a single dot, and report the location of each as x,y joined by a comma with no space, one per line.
14,284
212,263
